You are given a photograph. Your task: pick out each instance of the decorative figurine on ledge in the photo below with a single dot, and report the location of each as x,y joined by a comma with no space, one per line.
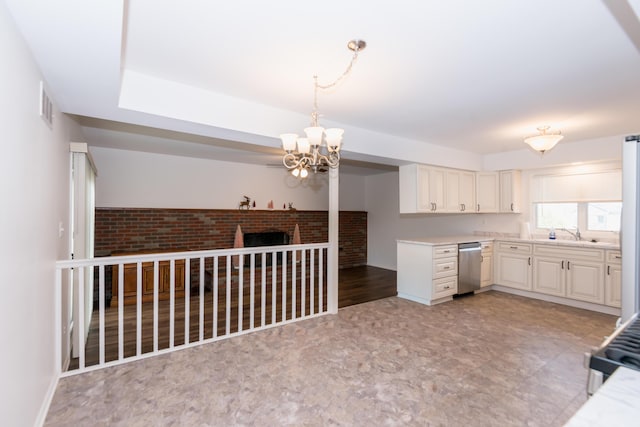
245,204
291,208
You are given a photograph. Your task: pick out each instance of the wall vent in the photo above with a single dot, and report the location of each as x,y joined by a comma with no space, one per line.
46,106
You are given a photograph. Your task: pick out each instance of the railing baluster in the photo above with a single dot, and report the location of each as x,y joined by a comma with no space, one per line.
294,267
79,322
303,288
312,291
156,281
320,281
121,311
227,324
274,284
172,302
101,303
201,323
263,289
138,308
187,300
252,290
284,286
215,296
240,291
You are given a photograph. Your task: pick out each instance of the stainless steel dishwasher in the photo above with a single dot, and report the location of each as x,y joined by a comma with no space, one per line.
469,261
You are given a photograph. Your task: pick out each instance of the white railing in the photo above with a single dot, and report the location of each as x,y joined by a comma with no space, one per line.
168,301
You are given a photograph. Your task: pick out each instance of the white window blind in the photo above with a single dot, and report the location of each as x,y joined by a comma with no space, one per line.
588,187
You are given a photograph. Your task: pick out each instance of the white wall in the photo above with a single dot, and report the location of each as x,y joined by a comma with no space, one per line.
147,180
34,173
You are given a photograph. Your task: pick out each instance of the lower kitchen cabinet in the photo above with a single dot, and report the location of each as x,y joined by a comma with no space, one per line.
427,274
613,279
513,261
548,276
164,282
576,273
486,266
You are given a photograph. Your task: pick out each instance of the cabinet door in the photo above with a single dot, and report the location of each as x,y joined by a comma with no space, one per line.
585,281
514,271
423,190
487,192
147,279
486,270
510,191
453,203
549,276
467,192
613,285
437,189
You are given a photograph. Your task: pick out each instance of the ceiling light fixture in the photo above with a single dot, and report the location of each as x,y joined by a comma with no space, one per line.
545,140
321,147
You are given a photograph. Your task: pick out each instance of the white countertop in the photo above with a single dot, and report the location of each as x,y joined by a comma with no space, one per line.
454,240
447,240
616,403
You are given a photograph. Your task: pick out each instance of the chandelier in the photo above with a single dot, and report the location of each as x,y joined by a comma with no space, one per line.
321,147
544,141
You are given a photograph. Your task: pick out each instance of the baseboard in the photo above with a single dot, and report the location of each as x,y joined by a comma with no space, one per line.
46,402
559,300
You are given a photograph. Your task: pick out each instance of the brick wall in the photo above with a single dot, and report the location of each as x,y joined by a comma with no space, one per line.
136,230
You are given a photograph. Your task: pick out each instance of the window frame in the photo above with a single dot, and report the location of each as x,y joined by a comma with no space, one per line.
582,221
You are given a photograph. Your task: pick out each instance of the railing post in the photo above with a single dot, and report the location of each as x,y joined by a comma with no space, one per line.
332,252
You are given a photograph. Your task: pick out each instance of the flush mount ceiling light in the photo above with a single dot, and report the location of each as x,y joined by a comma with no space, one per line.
321,147
545,140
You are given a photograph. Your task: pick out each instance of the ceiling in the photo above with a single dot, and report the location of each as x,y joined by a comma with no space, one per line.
469,76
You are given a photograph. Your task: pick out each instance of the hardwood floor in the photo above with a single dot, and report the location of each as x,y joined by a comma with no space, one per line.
363,284
356,285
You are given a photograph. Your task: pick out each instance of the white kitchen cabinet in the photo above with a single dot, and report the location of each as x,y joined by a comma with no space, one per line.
576,273
486,265
510,188
422,189
467,191
487,192
427,274
549,276
513,261
613,279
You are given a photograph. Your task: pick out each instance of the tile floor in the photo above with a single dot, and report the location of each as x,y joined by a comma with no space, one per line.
492,359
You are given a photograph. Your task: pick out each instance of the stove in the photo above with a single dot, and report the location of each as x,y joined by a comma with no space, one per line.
620,349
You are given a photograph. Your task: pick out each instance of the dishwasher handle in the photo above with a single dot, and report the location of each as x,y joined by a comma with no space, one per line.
467,247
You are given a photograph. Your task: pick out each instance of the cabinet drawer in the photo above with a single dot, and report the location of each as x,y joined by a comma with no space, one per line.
614,257
445,287
564,252
487,247
522,248
445,267
445,251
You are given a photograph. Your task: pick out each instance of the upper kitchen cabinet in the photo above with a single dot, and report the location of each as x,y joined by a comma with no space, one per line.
510,183
422,189
487,191
461,191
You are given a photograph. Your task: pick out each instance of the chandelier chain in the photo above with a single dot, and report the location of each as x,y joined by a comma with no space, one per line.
315,115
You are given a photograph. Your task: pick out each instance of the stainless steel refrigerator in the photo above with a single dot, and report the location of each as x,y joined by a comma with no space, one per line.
630,227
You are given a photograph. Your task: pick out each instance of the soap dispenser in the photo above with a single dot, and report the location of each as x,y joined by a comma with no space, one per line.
552,233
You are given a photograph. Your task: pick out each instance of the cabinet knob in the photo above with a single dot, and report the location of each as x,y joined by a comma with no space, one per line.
478,207
447,267
608,270
562,266
568,265
511,207
529,261
513,247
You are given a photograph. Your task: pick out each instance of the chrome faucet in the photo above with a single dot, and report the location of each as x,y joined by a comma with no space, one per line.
575,235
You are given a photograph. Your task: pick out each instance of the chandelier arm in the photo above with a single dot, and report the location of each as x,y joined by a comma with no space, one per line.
290,161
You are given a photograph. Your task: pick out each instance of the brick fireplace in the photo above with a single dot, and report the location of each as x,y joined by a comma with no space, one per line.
130,230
